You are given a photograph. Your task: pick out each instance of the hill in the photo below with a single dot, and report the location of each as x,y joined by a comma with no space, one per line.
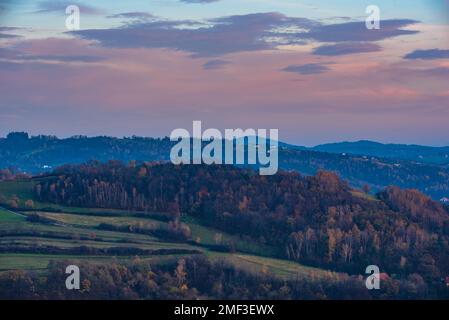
417,153
302,236
285,211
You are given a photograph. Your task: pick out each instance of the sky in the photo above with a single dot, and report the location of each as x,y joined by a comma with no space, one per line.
308,68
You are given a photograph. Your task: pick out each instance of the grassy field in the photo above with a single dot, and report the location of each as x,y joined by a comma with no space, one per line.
70,232
8,216
13,261
61,243
284,269
94,221
211,236
200,234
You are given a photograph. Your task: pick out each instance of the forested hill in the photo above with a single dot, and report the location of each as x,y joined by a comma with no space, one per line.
22,153
42,153
372,172
316,220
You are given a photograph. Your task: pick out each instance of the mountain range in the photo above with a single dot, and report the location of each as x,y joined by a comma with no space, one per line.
424,154
364,164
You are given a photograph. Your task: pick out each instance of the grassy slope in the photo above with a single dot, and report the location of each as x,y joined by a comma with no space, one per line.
12,261
78,225
208,236
7,216
94,221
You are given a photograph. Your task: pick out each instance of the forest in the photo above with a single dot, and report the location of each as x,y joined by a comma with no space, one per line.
314,220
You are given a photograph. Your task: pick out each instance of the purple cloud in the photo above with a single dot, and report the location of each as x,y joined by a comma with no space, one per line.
357,31
346,48
7,35
63,58
252,32
3,29
307,69
226,35
215,64
133,15
430,54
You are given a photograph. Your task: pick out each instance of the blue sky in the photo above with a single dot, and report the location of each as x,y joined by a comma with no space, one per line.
22,12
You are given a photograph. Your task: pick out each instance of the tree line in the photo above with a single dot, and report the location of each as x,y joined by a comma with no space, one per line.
196,278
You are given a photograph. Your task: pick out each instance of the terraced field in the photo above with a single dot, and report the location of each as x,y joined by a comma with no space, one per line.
95,221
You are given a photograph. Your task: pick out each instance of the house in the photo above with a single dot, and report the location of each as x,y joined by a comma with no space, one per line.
444,200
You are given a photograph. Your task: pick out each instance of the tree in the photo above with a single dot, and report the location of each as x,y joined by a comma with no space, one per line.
14,203
29,204
218,238
181,274
17,136
366,189
5,174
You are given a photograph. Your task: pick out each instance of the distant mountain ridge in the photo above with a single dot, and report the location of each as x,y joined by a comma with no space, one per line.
424,154
38,154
